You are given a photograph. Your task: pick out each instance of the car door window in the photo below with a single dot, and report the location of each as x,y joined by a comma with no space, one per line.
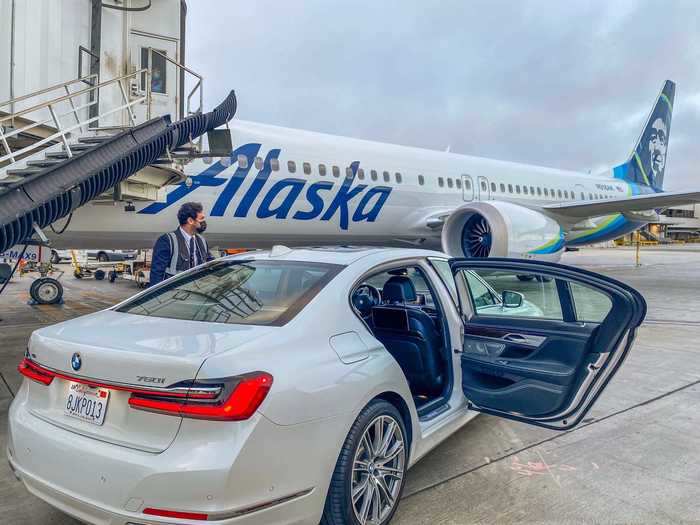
482,296
530,295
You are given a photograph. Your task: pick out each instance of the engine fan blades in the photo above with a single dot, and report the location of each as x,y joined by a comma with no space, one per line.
476,237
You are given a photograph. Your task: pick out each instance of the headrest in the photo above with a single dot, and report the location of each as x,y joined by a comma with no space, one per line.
399,289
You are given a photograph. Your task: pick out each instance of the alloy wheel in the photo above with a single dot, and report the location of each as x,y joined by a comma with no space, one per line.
378,469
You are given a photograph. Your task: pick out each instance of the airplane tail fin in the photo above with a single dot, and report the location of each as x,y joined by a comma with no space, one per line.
647,162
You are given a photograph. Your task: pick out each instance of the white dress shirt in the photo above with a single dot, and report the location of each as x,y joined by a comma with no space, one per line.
187,237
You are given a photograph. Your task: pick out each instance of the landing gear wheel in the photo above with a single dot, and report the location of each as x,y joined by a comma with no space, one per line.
369,475
102,257
112,276
99,275
55,259
46,290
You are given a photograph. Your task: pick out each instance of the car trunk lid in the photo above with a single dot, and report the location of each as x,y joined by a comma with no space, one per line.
121,352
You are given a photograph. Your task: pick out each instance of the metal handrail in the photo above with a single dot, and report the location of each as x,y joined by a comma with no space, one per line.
74,109
61,131
71,95
199,85
81,50
48,89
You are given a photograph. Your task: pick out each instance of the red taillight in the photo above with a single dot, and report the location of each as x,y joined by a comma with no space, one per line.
246,395
175,514
35,372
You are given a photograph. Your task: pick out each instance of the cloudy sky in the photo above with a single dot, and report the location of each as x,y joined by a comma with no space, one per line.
560,84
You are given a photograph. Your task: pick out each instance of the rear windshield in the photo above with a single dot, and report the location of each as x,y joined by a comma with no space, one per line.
258,292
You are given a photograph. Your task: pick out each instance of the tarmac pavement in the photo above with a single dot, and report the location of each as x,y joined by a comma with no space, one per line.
633,460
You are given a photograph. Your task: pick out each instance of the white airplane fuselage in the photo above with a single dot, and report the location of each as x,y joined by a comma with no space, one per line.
352,203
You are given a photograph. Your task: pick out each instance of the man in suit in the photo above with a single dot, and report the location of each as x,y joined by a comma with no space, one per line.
183,248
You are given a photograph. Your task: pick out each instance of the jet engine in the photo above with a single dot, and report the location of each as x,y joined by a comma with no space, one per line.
501,229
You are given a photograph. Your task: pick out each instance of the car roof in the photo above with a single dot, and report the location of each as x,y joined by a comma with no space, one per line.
344,255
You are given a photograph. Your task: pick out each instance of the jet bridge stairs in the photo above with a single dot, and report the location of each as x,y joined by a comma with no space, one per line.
60,148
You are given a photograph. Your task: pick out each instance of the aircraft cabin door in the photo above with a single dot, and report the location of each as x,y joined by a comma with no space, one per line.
165,77
467,188
484,190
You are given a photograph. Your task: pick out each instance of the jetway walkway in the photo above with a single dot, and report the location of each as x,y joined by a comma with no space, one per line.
44,180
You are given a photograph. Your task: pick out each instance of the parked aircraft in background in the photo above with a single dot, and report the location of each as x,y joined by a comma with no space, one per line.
298,188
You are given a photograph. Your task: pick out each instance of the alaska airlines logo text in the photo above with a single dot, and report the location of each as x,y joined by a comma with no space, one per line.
283,194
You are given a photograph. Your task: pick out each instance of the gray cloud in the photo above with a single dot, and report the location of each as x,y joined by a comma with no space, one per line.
560,84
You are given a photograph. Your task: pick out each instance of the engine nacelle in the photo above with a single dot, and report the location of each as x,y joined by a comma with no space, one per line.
501,229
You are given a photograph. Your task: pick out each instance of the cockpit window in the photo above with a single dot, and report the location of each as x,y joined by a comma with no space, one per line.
255,292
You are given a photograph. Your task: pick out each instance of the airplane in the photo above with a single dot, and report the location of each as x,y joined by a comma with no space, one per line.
293,187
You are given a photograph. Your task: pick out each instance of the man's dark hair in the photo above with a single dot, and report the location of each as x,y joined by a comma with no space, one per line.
189,210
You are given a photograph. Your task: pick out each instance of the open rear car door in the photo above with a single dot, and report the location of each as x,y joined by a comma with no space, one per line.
541,340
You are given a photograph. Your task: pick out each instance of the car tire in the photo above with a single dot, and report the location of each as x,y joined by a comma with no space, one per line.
525,278
381,476
102,257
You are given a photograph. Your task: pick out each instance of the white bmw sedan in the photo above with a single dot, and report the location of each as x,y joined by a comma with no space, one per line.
298,386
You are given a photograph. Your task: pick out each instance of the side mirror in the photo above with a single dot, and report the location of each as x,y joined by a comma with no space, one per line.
511,299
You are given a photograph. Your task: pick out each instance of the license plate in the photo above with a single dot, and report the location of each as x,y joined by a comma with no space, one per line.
87,403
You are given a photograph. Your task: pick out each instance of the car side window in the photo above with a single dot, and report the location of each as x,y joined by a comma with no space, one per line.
420,285
425,296
505,293
480,292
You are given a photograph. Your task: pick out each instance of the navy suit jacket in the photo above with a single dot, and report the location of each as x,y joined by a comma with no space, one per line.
161,259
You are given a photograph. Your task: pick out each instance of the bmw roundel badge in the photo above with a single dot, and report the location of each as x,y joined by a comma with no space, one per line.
76,361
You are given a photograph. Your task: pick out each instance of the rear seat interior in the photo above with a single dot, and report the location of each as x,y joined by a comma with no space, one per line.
409,325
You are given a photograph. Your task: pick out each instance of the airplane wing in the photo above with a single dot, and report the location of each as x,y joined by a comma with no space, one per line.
587,209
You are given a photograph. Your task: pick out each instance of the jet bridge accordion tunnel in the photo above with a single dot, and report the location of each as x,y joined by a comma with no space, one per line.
55,192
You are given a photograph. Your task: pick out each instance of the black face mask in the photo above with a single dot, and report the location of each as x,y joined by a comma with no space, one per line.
201,227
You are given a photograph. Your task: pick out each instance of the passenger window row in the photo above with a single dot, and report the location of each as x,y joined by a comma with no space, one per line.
549,193
306,167
451,183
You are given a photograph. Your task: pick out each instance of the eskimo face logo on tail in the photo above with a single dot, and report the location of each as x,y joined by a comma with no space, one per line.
321,200
650,155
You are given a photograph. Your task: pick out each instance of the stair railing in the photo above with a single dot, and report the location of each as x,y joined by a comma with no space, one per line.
198,87
59,130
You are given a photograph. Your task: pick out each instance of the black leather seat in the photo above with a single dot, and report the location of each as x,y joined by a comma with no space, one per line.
409,334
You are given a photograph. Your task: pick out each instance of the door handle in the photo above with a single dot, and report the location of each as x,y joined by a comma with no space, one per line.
528,340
